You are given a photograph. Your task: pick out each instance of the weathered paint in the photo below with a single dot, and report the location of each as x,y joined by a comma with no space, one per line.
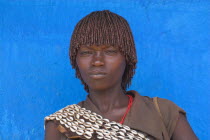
172,40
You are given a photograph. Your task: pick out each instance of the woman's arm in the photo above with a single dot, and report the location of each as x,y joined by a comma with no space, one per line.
51,132
183,131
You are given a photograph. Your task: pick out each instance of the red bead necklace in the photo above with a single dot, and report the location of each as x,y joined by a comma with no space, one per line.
128,108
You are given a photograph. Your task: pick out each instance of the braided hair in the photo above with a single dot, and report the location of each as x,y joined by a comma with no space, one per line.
105,28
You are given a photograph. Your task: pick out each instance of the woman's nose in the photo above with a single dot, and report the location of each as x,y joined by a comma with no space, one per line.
98,59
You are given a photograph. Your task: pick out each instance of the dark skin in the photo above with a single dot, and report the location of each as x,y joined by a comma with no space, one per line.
102,68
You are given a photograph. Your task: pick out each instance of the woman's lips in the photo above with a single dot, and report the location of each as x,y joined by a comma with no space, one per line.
97,74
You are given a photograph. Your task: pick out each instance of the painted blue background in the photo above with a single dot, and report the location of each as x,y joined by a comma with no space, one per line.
36,79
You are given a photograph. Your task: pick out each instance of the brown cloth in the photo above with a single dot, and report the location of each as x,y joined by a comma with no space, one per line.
145,117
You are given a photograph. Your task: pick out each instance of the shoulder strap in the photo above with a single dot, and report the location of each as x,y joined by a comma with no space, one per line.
155,101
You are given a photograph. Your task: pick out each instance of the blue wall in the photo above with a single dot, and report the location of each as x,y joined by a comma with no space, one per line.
36,79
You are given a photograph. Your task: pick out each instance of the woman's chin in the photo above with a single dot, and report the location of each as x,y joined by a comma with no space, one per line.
98,88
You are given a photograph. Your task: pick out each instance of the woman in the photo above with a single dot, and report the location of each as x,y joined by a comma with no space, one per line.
103,53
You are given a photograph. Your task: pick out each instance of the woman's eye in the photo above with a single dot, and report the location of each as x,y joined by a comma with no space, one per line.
111,51
86,52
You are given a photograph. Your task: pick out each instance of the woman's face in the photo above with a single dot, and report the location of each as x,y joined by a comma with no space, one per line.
101,67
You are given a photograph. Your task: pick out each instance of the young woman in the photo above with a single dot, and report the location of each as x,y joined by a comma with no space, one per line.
102,51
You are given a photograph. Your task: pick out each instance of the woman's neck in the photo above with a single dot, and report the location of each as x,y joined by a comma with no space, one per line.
108,100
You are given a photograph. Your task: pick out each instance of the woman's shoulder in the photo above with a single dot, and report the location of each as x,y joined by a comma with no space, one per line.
162,108
166,106
168,111
71,106
57,124
56,116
